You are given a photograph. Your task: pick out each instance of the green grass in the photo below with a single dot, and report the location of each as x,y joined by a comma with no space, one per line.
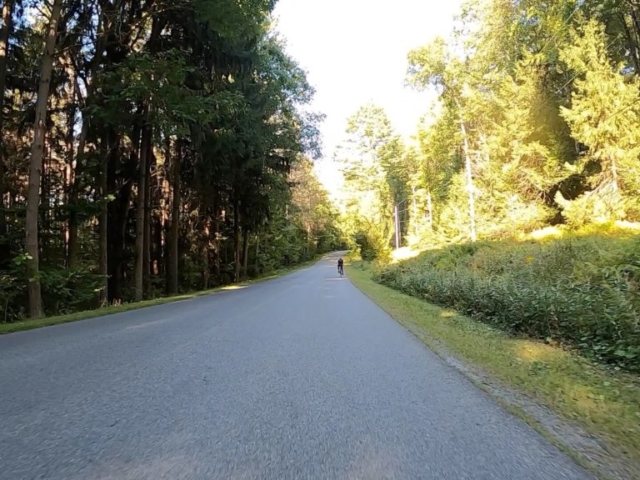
603,402
126,307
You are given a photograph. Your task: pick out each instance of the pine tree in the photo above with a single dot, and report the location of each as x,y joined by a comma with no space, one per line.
605,107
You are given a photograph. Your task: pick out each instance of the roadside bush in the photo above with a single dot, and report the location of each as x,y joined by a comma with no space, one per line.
12,297
372,245
67,291
64,291
581,291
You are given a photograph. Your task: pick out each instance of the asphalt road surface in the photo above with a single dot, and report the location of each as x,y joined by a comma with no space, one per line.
295,378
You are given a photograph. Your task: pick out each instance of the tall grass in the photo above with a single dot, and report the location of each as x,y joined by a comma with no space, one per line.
581,291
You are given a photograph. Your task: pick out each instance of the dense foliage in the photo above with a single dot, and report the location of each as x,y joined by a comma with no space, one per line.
370,159
150,147
536,124
580,291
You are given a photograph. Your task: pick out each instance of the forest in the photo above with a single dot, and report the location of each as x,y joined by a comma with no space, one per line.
150,147
518,196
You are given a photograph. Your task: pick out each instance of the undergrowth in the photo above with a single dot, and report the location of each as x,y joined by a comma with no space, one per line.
581,291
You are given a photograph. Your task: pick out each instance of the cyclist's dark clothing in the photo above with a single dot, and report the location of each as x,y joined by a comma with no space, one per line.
340,265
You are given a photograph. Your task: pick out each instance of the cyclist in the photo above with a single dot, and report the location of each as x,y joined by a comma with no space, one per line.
341,266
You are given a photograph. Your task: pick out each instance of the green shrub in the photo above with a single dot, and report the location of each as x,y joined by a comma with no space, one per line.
68,291
581,291
63,291
13,297
372,245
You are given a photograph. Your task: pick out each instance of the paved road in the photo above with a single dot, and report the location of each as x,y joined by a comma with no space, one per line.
300,377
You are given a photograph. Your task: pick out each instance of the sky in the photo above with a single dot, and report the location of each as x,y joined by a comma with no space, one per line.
355,51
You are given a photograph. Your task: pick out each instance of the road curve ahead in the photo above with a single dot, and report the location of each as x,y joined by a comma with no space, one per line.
302,377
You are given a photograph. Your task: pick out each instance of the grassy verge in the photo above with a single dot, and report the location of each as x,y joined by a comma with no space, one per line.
113,309
601,402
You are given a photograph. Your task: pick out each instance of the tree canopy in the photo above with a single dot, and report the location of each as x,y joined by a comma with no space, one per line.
150,147
535,124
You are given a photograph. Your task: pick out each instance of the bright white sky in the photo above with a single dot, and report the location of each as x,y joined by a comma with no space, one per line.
355,51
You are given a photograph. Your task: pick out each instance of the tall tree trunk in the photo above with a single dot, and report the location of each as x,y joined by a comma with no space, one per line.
206,242
43,210
469,175
266,243
174,230
430,209
245,253
142,236
68,167
35,165
633,47
119,211
74,188
5,33
236,240
103,221
140,210
74,247
216,236
414,211
635,22
118,220
98,57
257,264
165,212
146,274
157,227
